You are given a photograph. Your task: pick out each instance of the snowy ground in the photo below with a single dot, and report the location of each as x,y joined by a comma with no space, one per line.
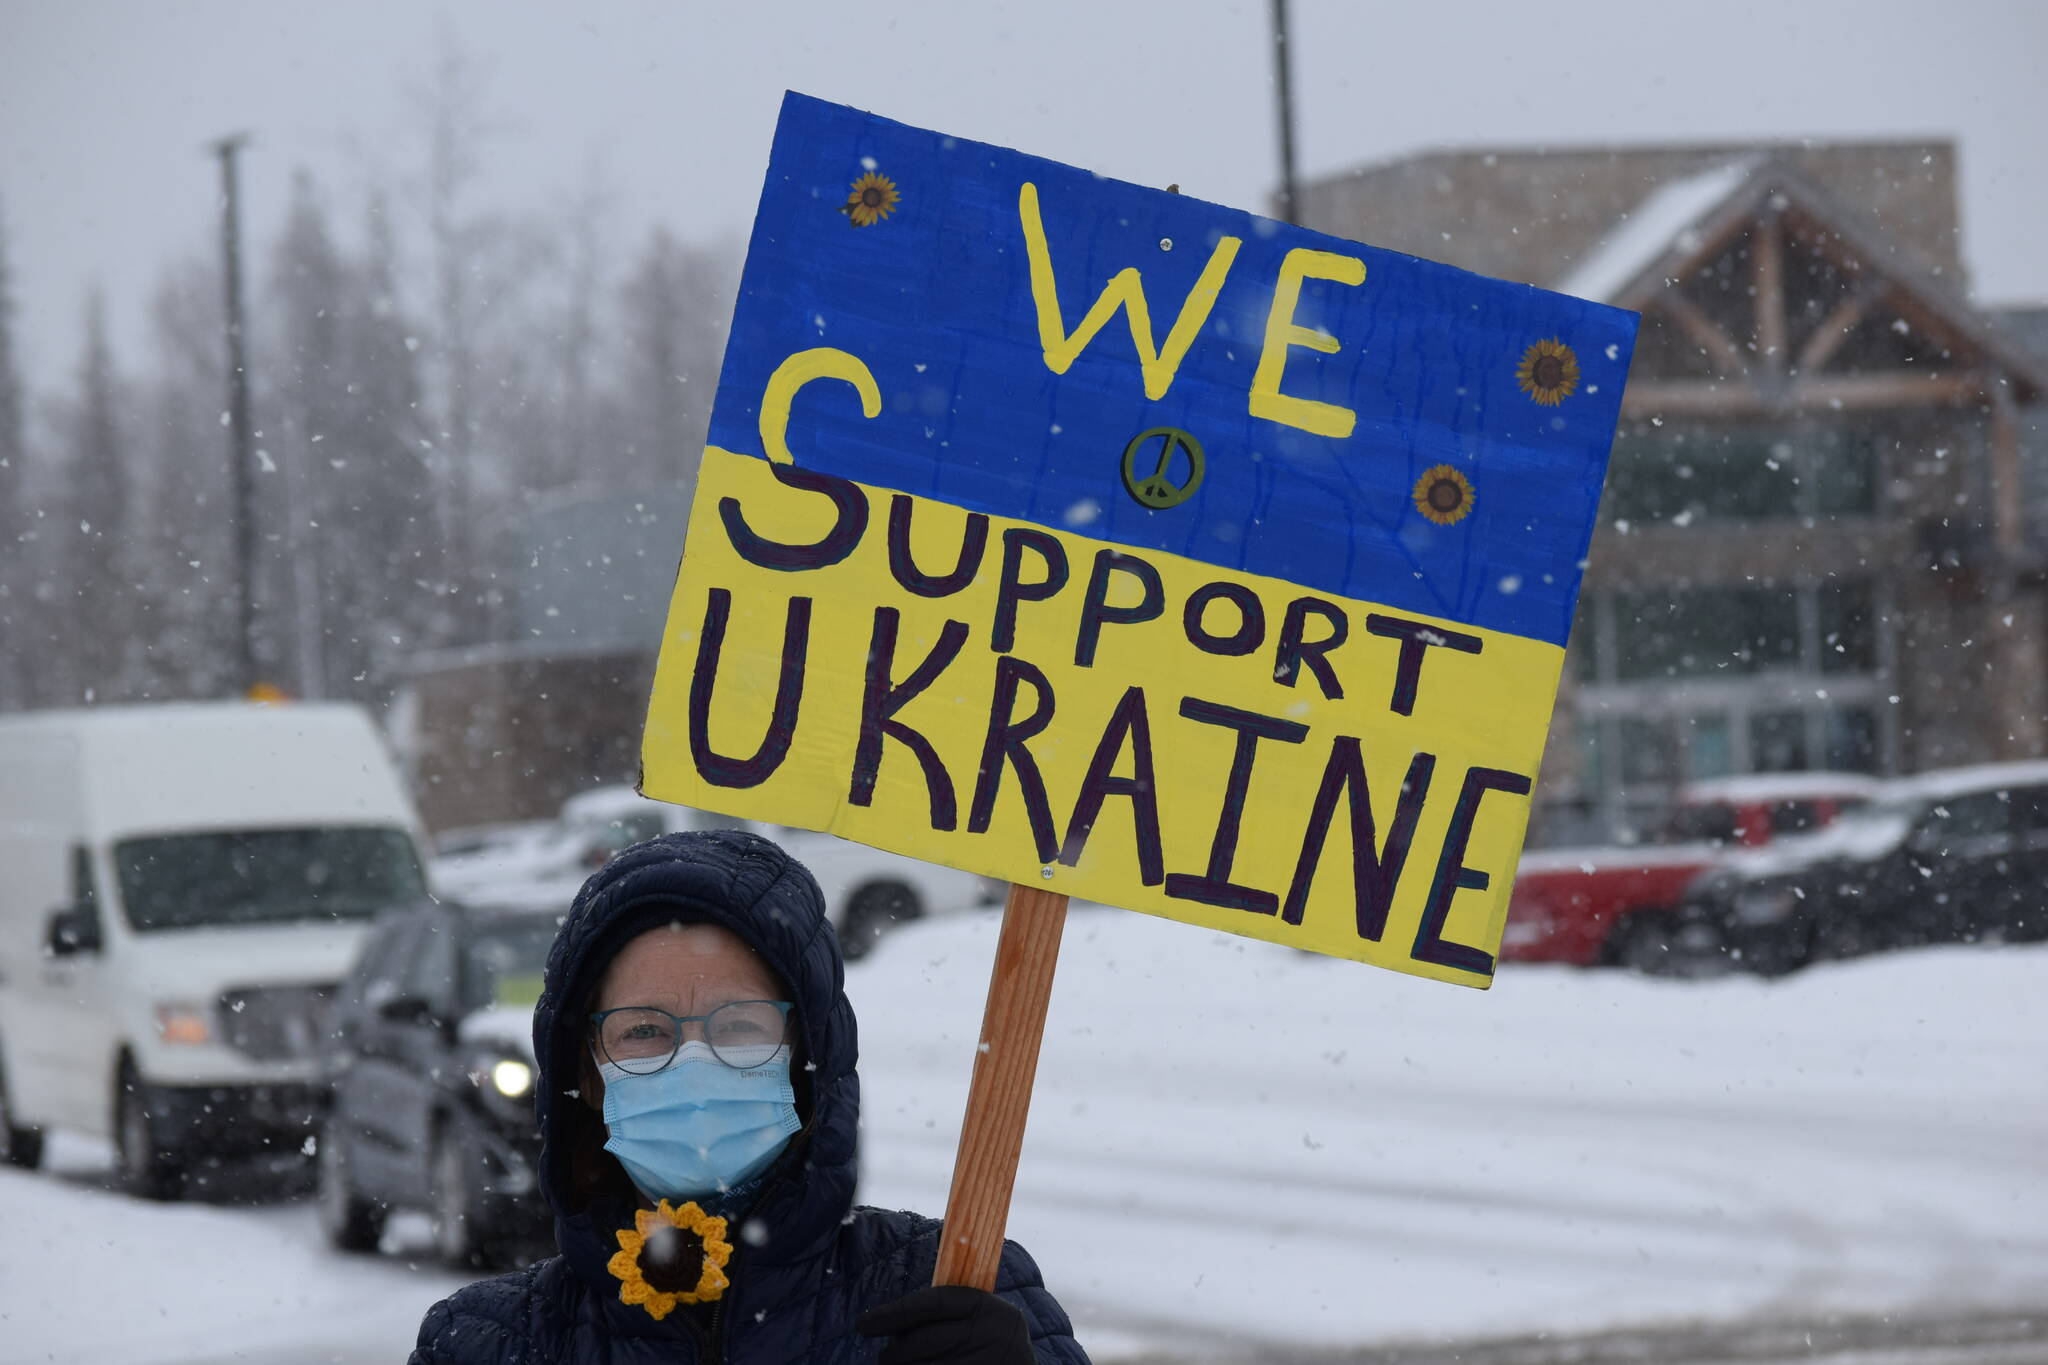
1236,1146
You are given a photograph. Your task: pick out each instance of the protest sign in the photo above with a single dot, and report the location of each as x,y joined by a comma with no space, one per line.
1121,545
1101,539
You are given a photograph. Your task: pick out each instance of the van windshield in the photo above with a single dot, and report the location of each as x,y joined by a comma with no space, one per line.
183,881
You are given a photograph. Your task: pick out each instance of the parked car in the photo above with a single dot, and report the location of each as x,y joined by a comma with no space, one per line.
1955,856
867,891
1614,906
184,885
588,829
480,841
429,1069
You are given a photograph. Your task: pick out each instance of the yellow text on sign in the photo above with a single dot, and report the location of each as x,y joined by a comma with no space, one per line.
1157,365
1130,727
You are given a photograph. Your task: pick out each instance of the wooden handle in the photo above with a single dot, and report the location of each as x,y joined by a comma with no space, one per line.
999,1099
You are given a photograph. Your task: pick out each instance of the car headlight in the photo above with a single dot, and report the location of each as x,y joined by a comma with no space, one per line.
1766,904
177,1022
506,1083
512,1078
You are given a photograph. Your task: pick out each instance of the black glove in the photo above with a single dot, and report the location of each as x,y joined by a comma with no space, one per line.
950,1323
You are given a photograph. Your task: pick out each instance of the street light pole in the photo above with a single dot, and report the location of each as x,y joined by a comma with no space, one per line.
241,474
1283,87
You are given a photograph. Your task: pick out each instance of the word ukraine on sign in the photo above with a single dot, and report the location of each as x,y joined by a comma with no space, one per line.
1094,537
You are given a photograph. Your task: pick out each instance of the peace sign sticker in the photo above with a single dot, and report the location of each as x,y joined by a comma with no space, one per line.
1158,490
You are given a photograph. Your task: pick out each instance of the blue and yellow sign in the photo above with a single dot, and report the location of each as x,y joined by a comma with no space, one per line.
1099,538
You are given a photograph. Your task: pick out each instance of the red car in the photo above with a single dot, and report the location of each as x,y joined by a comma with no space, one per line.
1598,906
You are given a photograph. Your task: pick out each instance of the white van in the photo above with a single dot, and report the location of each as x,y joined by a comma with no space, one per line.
181,886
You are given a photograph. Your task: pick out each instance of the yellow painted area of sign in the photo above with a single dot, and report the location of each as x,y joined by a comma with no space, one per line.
911,719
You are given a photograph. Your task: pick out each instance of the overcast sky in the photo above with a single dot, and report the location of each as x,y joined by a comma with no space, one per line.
105,108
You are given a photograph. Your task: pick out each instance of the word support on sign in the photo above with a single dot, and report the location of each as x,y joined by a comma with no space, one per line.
1256,623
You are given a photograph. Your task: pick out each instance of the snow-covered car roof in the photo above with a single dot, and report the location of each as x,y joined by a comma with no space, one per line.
1612,857
1859,836
606,803
1947,782
1878,828
1766,787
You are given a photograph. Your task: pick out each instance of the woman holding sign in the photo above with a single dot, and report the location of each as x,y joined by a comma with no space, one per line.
699,1109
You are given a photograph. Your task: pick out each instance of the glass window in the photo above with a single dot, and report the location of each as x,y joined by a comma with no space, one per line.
1591,739
1848,632
1669,634
386,954
1978,815
1584,645
1688,473
1711,752
1851,739
2030,808
181,881
383,958
1842,471
1777,742
1649,753
430,974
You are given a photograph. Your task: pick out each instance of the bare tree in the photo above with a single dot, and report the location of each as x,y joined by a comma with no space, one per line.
12,432
16,601
673,329
96,606
395,486
188,541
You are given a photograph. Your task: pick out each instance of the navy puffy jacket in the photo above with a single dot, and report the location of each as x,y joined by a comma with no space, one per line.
806,1261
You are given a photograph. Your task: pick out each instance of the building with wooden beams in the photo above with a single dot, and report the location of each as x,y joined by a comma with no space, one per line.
1822,544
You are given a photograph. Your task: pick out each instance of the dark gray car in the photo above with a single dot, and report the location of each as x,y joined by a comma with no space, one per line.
429,1070
1948,857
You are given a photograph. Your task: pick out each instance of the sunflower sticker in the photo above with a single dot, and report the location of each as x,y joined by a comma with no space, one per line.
874,198
1548,372
671,1256
1443,495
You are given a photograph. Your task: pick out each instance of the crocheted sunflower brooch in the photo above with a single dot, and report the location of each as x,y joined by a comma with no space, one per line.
671,1256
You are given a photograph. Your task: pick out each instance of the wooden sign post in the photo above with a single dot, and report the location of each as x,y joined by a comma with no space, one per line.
999,1098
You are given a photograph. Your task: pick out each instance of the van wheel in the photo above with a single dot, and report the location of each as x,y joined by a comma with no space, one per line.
18,1146
146,1168
462,1235
351,1222
873,912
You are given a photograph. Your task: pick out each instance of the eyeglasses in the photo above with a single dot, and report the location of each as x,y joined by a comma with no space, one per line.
742,1033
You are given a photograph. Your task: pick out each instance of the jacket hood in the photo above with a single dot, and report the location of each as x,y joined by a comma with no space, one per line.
748,885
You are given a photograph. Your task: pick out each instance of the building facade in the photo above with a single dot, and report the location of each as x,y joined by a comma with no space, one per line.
510,729
1821,544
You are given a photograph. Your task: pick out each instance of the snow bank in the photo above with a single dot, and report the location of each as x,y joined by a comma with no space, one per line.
93,1277
1233,1140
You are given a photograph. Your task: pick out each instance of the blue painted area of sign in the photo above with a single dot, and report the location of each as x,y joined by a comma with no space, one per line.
1324,408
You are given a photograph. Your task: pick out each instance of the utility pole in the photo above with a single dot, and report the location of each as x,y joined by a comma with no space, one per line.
240,459
1283,87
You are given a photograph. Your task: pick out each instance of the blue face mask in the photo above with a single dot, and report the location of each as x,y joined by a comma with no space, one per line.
698,1127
